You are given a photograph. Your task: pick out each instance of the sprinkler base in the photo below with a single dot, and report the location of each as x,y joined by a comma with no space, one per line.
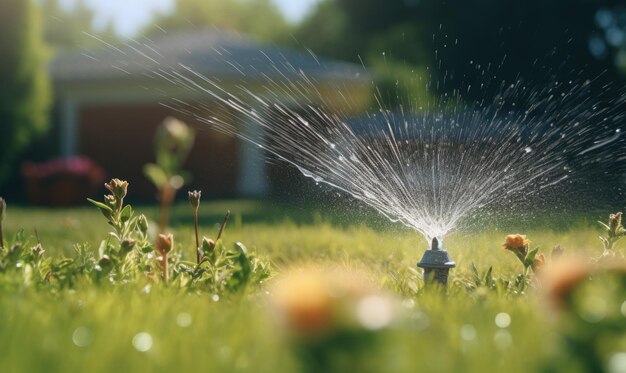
436,263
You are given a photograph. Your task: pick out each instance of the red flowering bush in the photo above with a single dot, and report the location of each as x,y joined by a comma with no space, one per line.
62,182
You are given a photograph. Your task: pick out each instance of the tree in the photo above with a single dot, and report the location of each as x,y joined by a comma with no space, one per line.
258,18
24,88
64,28
459,40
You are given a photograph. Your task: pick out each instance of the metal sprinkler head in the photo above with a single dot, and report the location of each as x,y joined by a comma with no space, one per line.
436,263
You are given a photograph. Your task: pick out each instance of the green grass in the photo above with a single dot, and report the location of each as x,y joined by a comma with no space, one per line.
40,330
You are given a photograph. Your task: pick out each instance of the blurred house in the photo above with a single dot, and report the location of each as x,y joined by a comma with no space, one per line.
108,106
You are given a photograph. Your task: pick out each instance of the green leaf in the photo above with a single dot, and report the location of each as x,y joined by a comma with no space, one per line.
604,225
530,258
489,276
100,205
147,249
475,274
126,214
243,262
155,174
102,248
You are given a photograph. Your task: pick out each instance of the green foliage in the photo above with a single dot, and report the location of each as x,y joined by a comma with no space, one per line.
25,89
223,270
74,321
65,28
126,257
173,142
325,31
614,231
478,43
400,84
258,18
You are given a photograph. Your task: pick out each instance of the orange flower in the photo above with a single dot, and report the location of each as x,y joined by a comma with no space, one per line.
304,303
560,279
515,242
312,302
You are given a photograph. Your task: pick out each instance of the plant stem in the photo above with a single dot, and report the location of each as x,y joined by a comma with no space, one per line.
195,225
1,237
219,234
167,196
164,269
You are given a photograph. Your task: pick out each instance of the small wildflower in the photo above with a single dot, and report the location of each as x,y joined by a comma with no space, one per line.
142,224
177,134
194,198
615,225
194,201
127,245
304,303
514,242
207,245
517,244
557,252
118,188
110,201
164,243
614,232
105,263
561,278
311,303
538,262
38,250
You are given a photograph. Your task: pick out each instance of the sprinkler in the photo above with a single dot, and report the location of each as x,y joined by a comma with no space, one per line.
436,263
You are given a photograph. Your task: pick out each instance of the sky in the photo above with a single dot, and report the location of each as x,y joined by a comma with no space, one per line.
129,16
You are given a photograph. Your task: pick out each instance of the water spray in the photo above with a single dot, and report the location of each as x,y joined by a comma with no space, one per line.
436,263
427,167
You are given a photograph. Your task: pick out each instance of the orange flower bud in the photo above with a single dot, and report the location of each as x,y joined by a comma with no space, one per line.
538,262
164,243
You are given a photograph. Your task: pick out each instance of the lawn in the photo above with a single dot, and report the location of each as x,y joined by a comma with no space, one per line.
144,325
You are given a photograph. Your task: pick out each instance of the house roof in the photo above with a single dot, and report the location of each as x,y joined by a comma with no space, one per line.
206,51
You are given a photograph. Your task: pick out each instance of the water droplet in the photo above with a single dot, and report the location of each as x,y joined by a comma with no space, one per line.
183,320
593,309
528,149
82,337
503,320
617,363
468,332
420,321
374,312
225,352
410,303
142,342
502,339
215,298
